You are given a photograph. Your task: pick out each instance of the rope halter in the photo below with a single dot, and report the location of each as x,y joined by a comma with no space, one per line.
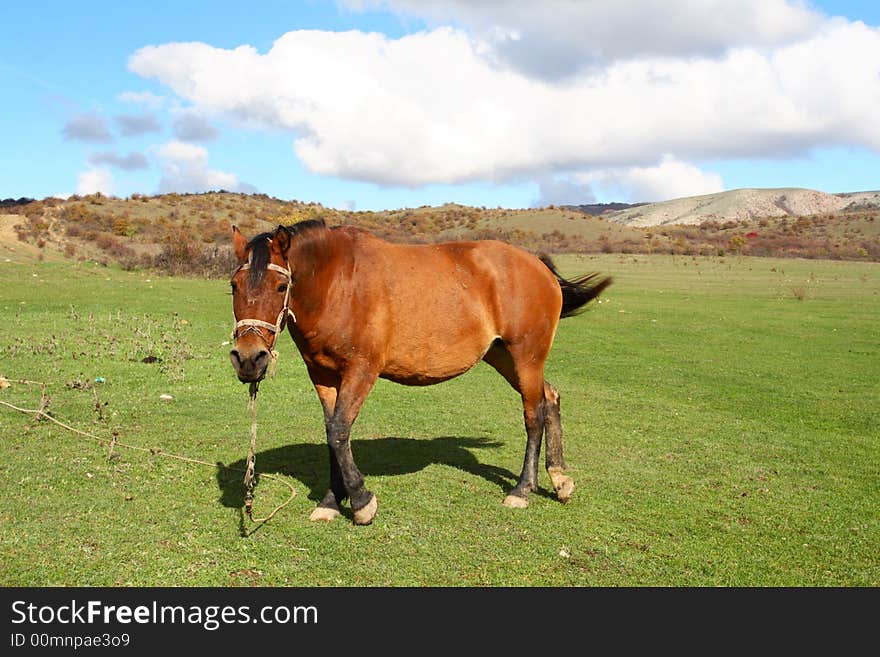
244,326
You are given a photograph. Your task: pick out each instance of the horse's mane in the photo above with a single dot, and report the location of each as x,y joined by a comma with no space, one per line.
259,248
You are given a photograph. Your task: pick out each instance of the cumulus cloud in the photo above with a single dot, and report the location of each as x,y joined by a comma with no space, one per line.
556,38
95,180
553,190
189,126
431,107
185,169
88,127
668,179
131,162
132,125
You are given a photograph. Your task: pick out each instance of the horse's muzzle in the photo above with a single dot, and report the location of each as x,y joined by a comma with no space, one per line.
250,366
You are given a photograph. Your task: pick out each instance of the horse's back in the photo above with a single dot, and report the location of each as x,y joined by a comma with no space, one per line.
441,306
485,278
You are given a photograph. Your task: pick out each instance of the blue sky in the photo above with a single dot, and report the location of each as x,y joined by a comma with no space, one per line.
375,104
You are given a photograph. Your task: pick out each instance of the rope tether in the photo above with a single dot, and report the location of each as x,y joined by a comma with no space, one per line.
114,442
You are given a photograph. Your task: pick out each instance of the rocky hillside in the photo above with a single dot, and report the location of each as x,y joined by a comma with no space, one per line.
190,233
744,205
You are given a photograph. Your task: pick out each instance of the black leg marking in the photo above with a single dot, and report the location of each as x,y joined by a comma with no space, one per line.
336,494
528,479
338,433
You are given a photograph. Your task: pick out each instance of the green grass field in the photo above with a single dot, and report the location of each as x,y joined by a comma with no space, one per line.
722,422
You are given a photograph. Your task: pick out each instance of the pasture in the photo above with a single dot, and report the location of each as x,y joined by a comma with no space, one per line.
721,415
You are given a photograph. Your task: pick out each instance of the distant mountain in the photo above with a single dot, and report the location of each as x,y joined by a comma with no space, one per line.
743,205
861,200
600,209
12,202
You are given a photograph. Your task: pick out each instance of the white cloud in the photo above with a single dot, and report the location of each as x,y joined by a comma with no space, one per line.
140,124
131,162
189,126
432,108
554,190
95,180
555,38
185,169
669,179
88,126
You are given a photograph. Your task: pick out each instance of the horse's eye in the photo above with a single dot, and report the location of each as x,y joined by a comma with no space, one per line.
232,285
282,288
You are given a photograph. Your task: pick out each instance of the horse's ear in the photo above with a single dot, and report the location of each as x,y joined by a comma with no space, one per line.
239,244
281,238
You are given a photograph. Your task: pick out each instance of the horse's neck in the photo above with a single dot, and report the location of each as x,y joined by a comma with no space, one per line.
315,258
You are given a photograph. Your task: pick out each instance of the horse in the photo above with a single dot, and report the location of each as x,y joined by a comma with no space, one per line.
359,308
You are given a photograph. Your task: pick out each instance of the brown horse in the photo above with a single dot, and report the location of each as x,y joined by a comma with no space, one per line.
359,308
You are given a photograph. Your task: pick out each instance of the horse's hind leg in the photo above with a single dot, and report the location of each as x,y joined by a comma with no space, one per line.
533,414
527,378
563,484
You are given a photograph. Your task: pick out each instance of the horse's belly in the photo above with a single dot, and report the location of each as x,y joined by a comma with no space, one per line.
419,378
434,363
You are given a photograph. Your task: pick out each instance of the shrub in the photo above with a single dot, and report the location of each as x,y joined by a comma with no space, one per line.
122,228
736,243
105,241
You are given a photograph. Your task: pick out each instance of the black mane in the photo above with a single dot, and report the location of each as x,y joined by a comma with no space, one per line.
259,248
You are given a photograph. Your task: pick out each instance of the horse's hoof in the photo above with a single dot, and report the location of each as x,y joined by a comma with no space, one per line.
365,515
323,513
516,502
564,485
565,489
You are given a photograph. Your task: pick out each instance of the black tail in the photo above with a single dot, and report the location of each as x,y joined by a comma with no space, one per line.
578,292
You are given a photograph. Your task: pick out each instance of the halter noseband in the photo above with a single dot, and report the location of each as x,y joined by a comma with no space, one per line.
253,325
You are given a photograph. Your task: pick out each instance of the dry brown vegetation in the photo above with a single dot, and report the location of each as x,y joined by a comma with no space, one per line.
190,233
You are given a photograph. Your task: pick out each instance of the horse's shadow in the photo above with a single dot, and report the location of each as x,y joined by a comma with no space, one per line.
309,463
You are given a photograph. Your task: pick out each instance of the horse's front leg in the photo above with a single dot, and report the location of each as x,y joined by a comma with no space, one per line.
353,389
328,507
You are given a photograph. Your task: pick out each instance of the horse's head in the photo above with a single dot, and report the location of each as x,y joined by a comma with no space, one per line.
260,300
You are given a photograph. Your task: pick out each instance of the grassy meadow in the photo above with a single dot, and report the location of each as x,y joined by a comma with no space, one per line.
722,425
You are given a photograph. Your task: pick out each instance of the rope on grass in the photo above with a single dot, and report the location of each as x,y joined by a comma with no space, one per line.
42,413
249,477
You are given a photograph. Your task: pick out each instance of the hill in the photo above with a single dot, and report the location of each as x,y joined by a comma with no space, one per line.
743,205
599,209
190,233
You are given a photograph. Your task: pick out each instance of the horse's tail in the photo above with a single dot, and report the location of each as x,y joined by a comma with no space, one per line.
576,293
